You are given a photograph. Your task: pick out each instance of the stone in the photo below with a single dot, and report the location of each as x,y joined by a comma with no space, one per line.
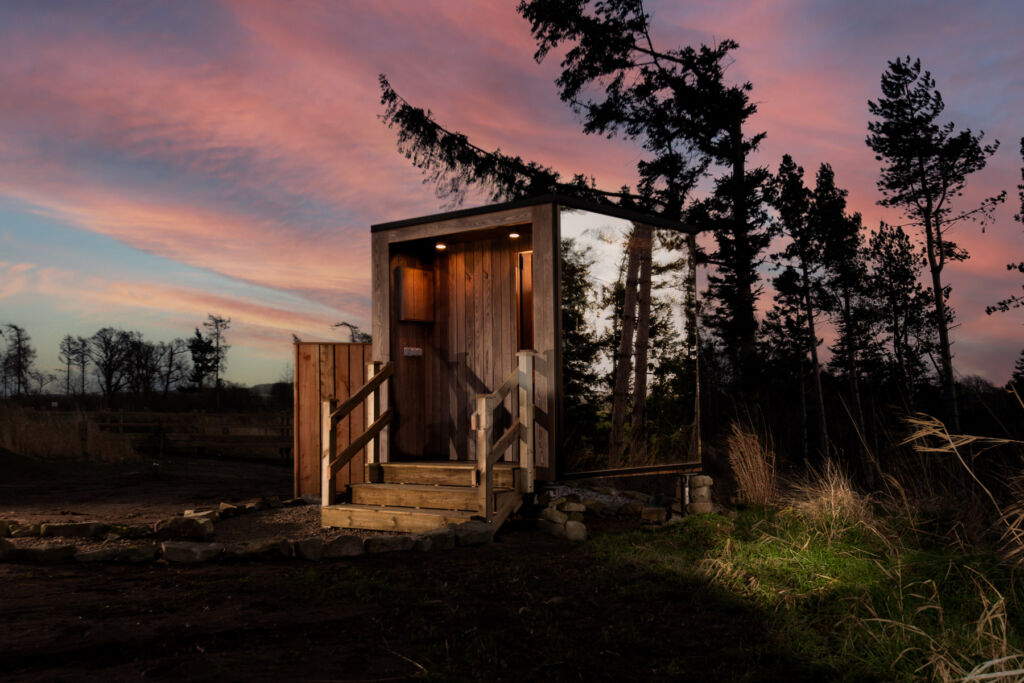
606,490
631,509
594,506
311,548
557,501
144,552
101,555
700,495
274,502
188,552
423,544
295,502
344,546
74,529
184,527
700,480
553,515
262,549
655,515
474,532
211,515
24,530
575,516
674,519
390,544
638,495
575,531
699,508
570,506
131,530
551,528
255,505
441,539
228,510
543,499
54,552
7,549
5,528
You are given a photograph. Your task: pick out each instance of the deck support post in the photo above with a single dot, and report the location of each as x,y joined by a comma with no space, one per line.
484,471
328,447
526,410
372,411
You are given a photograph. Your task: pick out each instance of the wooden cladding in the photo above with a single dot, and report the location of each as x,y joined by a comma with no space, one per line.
524,306
327,371
414,294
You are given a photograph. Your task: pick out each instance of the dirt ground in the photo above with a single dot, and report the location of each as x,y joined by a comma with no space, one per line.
526,607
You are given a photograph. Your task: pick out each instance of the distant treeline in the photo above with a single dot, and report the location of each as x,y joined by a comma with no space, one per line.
119,368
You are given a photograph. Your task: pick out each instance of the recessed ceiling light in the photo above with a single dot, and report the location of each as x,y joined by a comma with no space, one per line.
513,235
440,246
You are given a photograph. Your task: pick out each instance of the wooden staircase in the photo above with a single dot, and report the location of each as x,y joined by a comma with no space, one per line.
419,496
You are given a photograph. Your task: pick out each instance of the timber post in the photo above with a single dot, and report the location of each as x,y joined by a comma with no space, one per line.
328,445
526,410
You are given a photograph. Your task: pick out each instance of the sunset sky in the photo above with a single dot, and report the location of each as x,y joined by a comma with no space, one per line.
162,161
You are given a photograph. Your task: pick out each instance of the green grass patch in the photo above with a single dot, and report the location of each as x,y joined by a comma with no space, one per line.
858,598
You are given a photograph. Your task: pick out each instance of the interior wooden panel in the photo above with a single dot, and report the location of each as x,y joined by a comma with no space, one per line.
414,292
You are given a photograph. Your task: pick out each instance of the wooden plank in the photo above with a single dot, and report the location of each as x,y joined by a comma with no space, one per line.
458,352
438,384
444,473
506,503
363,439
454,226
469,350
308,427
296,450
357,418
381,324
342,390
364,391
382,518
328,445
510,437
546,337
416,496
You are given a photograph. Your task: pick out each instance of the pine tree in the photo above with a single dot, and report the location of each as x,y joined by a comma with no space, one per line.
925,167
1017,300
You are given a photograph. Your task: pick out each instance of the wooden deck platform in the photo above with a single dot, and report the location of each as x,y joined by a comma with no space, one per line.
420,496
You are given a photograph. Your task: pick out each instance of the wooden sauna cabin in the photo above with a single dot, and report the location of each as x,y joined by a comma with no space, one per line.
456,408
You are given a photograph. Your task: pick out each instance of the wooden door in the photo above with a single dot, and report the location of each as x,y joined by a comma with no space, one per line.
524,303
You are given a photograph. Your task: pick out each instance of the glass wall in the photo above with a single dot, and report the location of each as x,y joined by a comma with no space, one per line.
629,343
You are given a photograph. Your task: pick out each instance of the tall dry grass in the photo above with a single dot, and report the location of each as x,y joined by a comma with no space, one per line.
828,499
752,458
44,435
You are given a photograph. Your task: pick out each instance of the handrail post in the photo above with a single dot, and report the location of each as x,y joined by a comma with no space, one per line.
526,410
372,410
328,448
484,472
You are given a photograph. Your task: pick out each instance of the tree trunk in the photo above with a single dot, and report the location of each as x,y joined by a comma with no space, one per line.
745,275
638,426
804,445
621,386
934,251
815,366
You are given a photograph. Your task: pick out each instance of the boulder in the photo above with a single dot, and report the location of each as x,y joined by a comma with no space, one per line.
5,528
184,527
101,555
655,515
311,548
631,509
575,516
594,506
575,531
700,495
227,510
423,544
75,529
553,515
7,549
261,549
441,539
211,515
474,532
699,508
54,552
551,528
344,546
638,495
700,480
24,530
132,530
390,544
570,506
187,552
144,552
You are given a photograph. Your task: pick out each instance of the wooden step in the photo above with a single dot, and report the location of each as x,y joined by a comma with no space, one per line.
418,496
442,473
386,518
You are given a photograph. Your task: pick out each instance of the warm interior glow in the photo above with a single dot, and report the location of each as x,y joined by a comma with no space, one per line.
513,235
440,246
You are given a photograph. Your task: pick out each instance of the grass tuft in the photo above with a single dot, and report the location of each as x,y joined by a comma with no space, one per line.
752,458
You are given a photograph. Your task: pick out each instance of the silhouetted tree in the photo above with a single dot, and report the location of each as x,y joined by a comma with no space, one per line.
1017,300
1017,378
803,255
173,363
18,359
216,326
580,348
82,359
67,357
142,364
925,167
204,358
108,352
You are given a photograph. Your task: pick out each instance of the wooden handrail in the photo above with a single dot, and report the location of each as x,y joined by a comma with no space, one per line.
372,385
333,412
488,452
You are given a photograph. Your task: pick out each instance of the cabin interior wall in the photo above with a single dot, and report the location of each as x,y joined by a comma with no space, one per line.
469,347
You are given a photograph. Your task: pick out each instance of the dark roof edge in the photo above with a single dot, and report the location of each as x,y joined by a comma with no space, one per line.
562,200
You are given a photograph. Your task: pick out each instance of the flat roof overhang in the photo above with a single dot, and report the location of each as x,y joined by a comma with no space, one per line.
560,200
